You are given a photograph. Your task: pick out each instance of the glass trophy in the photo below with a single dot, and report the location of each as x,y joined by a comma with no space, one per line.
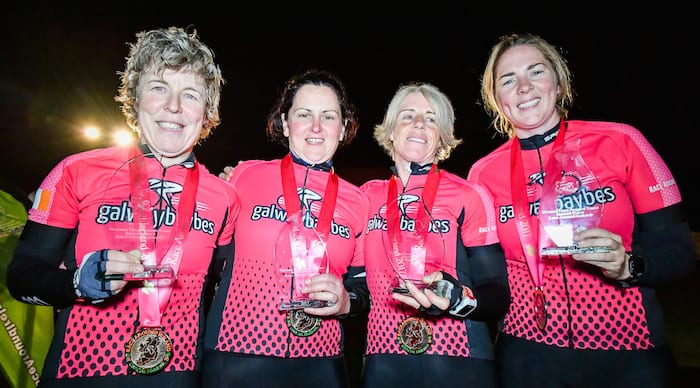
418,250
571,201
129,235
161,274
300,254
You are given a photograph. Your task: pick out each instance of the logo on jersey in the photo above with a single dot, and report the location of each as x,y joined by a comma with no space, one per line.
408,205
537,177
573,196
311,202
163,211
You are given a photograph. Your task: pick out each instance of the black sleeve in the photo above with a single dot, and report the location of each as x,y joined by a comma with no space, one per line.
487,266
221,254
355,281
664,240
35,274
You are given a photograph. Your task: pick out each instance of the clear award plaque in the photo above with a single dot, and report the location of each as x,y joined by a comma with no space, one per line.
300,254
413,255
572,200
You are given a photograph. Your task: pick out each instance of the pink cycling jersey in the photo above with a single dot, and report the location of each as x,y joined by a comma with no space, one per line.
586,311
461,216
249,320
90,192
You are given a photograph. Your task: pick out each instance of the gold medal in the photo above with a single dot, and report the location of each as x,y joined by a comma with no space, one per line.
540,309
415,335
302,324
148,351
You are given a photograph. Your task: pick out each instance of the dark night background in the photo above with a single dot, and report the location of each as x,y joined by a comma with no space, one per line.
634,65
58,72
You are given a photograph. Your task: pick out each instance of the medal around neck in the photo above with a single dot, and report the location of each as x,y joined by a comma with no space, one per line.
300,253
302,324
148,351
540,309
572,200
414,335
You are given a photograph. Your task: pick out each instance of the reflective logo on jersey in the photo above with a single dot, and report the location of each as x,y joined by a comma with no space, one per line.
408,204
537,177
163,211
311,206
580,199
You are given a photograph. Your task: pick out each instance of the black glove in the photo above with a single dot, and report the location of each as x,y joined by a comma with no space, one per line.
448,287
89,280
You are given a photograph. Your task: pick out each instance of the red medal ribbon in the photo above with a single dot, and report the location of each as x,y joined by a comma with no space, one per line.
152,300
527,225
291,198
393,215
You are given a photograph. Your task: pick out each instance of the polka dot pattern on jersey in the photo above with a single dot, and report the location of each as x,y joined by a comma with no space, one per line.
602,316
450,337
253,324
95,336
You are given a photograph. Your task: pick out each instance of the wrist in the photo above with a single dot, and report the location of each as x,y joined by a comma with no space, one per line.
466,304
635,266
76,284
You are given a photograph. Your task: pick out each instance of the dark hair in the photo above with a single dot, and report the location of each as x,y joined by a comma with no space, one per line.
275,130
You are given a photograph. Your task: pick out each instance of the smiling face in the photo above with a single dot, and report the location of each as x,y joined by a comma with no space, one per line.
416,136
314,124
526,90
171,112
